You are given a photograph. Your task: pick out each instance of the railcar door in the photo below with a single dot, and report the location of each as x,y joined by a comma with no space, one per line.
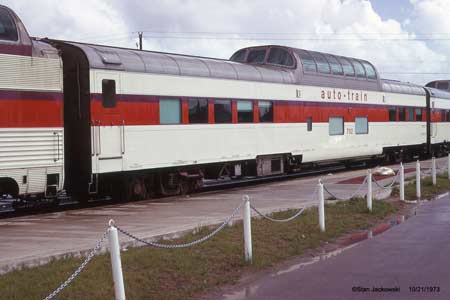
108,129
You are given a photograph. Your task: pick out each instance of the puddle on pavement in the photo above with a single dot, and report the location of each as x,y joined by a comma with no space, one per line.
347,244
380,228
242,294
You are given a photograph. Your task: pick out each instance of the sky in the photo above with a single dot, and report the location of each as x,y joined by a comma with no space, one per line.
407,40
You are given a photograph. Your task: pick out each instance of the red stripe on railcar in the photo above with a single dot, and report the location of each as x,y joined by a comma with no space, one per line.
255,112
184,111
144,110
133,112
234,118
26,113
211,116
298,112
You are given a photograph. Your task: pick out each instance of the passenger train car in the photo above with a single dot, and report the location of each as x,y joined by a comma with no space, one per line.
31,108
142,122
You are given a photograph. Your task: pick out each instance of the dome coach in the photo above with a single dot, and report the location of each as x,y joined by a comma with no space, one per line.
96,121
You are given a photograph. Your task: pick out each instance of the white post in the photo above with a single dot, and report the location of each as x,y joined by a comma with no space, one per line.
321,207
369,190
418,193
433,170
247,230
402,182
448,166
114,248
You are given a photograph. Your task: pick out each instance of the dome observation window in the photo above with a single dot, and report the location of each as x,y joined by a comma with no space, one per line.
359,69
322,63
239,56
370,70
308,62
279,56
336,67
256,56
347,66
8,30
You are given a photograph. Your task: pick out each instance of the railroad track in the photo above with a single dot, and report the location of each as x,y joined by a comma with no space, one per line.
11,208
41,206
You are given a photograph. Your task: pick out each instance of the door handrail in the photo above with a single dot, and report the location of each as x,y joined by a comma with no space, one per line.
122,137
99,149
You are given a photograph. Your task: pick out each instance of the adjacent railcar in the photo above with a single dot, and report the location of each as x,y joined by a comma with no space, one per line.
141,121
31,103
439,125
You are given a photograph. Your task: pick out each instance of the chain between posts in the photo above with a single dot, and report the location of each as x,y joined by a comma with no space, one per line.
426,171
100,242
346,199
389,185
74,275
185,245
441,167
300,212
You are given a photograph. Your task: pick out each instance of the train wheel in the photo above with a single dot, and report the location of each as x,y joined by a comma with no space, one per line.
8,187
136,189
169,184
185,187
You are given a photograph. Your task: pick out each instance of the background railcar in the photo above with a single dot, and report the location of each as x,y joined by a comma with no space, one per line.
141,121
439,126
31,123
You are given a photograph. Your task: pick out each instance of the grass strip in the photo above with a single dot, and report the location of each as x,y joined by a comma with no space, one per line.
428,190
186,273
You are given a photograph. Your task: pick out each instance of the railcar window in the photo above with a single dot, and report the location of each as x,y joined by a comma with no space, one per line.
109,93
278,56
361,125
198,111
8,30
410,111
308,62
256,56
359,69
418,114
322,63
392,114
245,111
448,115
336,67
336,125
309,123
265,111
239,56
169,111
442,115
443,85
347,66
370,71
222,111
401,114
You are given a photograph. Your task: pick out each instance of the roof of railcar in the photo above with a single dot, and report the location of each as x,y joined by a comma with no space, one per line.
113,58
437,93
142,61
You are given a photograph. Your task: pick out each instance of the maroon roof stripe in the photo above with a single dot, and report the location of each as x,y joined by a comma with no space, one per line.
30,95
23,50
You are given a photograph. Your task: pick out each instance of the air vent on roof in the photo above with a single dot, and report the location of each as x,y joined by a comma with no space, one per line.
109,57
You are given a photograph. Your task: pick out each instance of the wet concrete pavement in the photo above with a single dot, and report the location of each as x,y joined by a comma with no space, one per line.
33,240
413,255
